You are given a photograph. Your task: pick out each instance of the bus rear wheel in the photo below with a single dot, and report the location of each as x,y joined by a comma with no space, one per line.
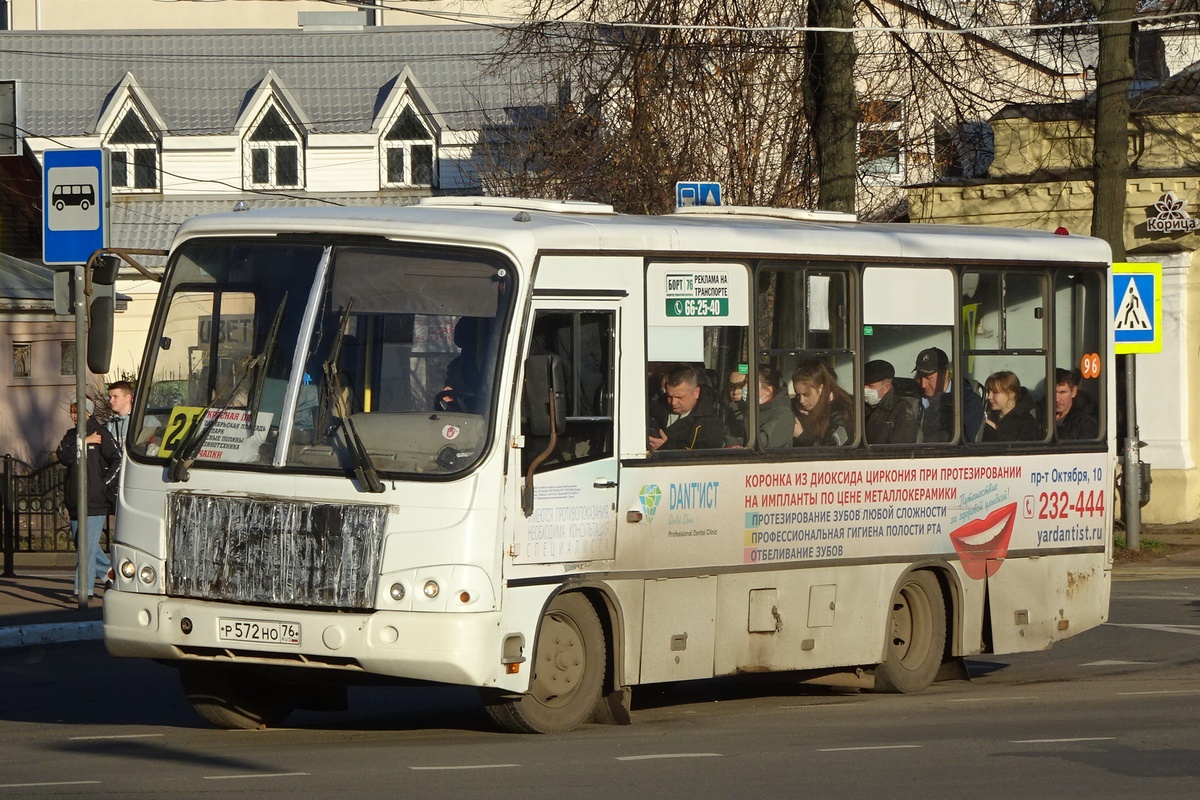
228,696
916,635
568,672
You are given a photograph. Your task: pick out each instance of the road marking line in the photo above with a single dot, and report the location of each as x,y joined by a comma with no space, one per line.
1112,663
468,766
1060,741
652,756
993,699
256,775
55,783
873,747
116,736
1161,691
1193,630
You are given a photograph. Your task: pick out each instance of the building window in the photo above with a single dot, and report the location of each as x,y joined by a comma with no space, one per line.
22,359
134,151
408,152
880,141
274,154
67,358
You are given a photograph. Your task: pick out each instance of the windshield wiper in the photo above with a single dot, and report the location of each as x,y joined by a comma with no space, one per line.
364,469
268,351
180,465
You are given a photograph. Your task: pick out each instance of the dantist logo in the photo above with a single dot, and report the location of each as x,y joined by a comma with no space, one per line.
651,497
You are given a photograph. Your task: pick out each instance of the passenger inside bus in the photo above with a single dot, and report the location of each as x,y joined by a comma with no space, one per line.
464,386
1010,415
936,410
824,411
1073,414
890,417
734,400
775,419
689,420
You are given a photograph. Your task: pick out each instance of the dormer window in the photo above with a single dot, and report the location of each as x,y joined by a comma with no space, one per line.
134,155
408,152
274,154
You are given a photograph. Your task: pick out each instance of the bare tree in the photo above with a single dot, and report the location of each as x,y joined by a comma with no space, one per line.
1113,74
776,100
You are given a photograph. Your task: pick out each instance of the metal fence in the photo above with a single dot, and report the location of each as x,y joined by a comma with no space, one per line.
35,517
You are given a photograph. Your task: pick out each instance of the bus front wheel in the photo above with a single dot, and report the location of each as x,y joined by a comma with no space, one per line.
916,635
568,672
228,696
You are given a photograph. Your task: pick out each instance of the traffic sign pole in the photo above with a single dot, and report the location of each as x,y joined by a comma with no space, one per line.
1137,328
83,566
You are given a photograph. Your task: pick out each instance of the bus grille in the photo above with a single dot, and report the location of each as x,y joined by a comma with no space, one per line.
274,552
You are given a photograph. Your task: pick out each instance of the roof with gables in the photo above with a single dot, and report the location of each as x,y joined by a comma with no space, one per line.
200,81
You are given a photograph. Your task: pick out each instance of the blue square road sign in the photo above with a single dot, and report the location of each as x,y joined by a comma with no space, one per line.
75,190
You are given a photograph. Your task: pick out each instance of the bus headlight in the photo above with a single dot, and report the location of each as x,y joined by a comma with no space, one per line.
397,592
431,589
128,570
147,575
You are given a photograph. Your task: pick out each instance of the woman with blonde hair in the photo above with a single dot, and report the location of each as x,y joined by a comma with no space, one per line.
1010,411
824,411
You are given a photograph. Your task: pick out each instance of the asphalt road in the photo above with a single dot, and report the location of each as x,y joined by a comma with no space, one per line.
1114,712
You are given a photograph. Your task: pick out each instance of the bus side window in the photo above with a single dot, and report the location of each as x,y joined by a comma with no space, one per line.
805,335
698,369
908,324
583,342
1005,350
1079,402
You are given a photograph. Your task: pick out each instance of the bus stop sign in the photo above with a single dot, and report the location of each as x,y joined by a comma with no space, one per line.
1137,308
74,205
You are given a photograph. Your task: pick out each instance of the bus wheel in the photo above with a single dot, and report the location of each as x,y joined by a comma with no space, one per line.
236,697
916,635
568,672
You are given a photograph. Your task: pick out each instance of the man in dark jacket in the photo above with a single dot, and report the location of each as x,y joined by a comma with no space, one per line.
890,419
690,420
936,411
102,461
1072,418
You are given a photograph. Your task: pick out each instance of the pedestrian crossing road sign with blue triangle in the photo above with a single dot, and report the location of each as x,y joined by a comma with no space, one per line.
1137,308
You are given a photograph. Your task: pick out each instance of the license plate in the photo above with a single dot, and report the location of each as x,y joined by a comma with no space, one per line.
259,631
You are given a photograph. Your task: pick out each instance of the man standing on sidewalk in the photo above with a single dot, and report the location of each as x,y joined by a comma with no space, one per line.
101,462
120,402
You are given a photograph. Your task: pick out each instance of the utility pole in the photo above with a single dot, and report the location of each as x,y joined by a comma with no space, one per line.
1113,75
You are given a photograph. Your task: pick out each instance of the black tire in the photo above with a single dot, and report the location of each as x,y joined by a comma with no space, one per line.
916,635
84,205
568,672
228,696
59,204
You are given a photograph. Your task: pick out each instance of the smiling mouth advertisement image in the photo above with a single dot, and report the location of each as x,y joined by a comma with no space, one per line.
982,543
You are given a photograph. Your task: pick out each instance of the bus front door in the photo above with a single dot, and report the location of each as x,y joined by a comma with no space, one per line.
573,515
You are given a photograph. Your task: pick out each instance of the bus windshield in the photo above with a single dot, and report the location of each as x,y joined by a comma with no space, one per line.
318,357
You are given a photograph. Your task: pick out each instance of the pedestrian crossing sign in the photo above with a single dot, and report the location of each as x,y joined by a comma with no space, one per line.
1137,308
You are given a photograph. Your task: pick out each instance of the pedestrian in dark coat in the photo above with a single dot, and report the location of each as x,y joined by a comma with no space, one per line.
102,462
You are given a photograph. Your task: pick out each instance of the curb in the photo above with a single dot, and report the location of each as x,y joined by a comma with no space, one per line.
1154,573
19,636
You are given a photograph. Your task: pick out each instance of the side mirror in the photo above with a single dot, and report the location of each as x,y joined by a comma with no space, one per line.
545,384
101,309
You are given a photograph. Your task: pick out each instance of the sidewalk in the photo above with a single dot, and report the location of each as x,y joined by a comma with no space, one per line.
35,607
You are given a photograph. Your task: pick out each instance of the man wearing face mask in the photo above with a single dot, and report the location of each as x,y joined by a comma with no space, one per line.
890,419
